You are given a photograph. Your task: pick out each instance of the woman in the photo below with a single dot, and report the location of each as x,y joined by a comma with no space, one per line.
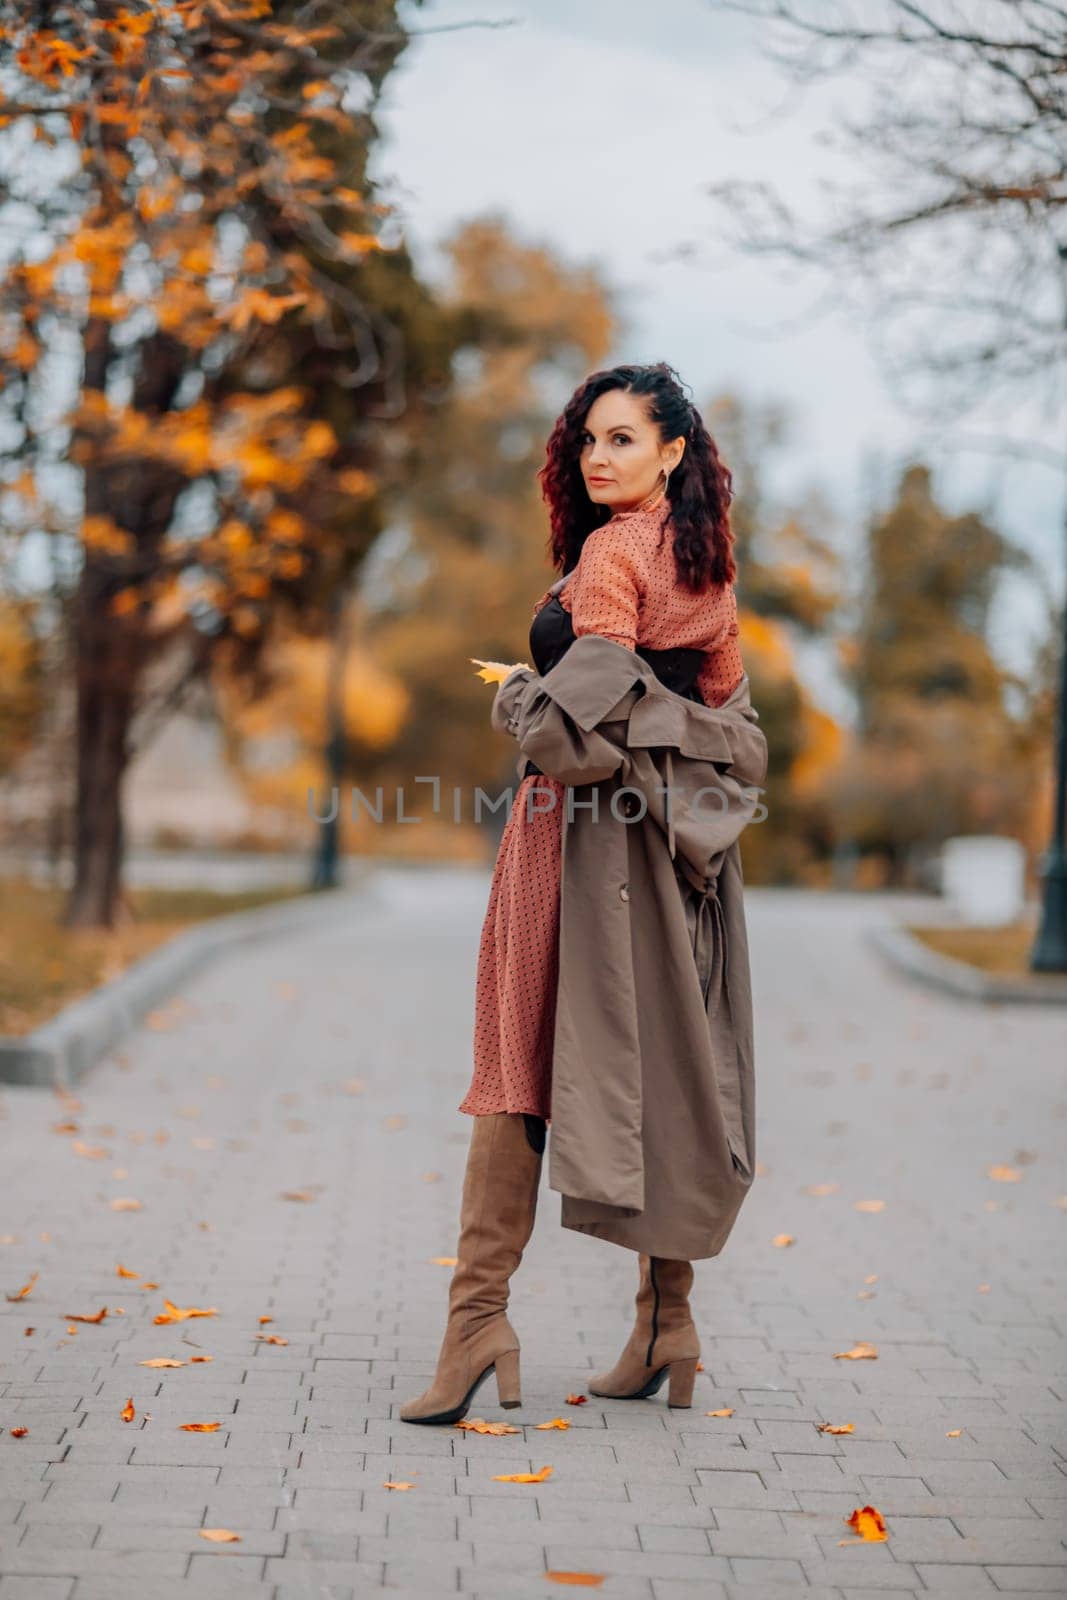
645,611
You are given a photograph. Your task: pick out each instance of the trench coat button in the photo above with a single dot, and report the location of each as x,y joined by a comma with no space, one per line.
624,892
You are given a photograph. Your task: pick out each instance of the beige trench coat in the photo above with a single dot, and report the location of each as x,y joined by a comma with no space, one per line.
652,1134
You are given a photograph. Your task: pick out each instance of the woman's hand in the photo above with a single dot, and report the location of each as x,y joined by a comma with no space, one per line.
497,671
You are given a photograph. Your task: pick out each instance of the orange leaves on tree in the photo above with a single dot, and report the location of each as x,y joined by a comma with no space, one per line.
256,306
49,58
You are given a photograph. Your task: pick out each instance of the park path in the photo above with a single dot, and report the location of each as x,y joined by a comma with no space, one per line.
330,1064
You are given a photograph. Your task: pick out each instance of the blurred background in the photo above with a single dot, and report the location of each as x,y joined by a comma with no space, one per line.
292,297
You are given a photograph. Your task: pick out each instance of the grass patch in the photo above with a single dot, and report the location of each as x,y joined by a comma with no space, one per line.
1004,950
44,966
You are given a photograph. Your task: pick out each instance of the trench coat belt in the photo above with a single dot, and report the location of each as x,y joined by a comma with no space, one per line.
709,946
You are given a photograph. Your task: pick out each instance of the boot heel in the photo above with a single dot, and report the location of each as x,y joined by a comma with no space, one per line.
682,1376
507,1380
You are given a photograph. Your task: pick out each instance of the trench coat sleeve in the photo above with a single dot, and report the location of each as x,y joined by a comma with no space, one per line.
556,718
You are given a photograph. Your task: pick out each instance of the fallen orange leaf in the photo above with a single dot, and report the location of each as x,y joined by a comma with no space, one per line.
98,1316
298,1194
19,1433
124,1203
586,1580
868,1523
124,1272
479,1425
161,1361
444,1261
175,1313
219,1535
523,1477
200,1427
727,1411
821,1188
1001,1174
271,1338
26,1287
128,1413
389,1485
861,1351
93,1152
837,1427
869,1205
557,1422
577,1399
192,1359
262,1320
700,1366
782,1239
954,1434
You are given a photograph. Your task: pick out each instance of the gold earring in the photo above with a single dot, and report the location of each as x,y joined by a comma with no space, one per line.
657,494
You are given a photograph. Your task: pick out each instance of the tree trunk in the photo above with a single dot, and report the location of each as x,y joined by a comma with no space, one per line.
107,664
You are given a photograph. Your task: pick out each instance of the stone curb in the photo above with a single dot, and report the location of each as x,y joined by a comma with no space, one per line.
914,958
64,1048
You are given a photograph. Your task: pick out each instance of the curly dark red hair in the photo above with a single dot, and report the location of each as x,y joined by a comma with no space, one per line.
698,494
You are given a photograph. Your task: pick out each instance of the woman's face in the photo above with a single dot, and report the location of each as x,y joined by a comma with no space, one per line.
622,456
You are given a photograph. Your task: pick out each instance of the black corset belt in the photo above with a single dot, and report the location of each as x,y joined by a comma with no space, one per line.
552,634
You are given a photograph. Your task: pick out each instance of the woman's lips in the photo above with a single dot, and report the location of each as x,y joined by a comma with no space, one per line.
600,480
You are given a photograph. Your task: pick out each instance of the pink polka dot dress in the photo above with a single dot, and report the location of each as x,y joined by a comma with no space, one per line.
623,587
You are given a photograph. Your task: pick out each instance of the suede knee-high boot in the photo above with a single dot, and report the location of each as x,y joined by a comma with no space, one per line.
664,1341
496,1220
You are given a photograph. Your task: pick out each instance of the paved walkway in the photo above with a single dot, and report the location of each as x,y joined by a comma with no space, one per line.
249,1089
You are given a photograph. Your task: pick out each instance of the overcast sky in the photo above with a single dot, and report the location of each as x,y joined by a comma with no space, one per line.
593,127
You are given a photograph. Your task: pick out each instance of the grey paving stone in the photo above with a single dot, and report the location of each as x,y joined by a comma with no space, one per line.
857,1076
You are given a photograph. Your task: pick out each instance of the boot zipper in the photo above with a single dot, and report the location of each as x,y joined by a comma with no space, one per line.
655,1309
